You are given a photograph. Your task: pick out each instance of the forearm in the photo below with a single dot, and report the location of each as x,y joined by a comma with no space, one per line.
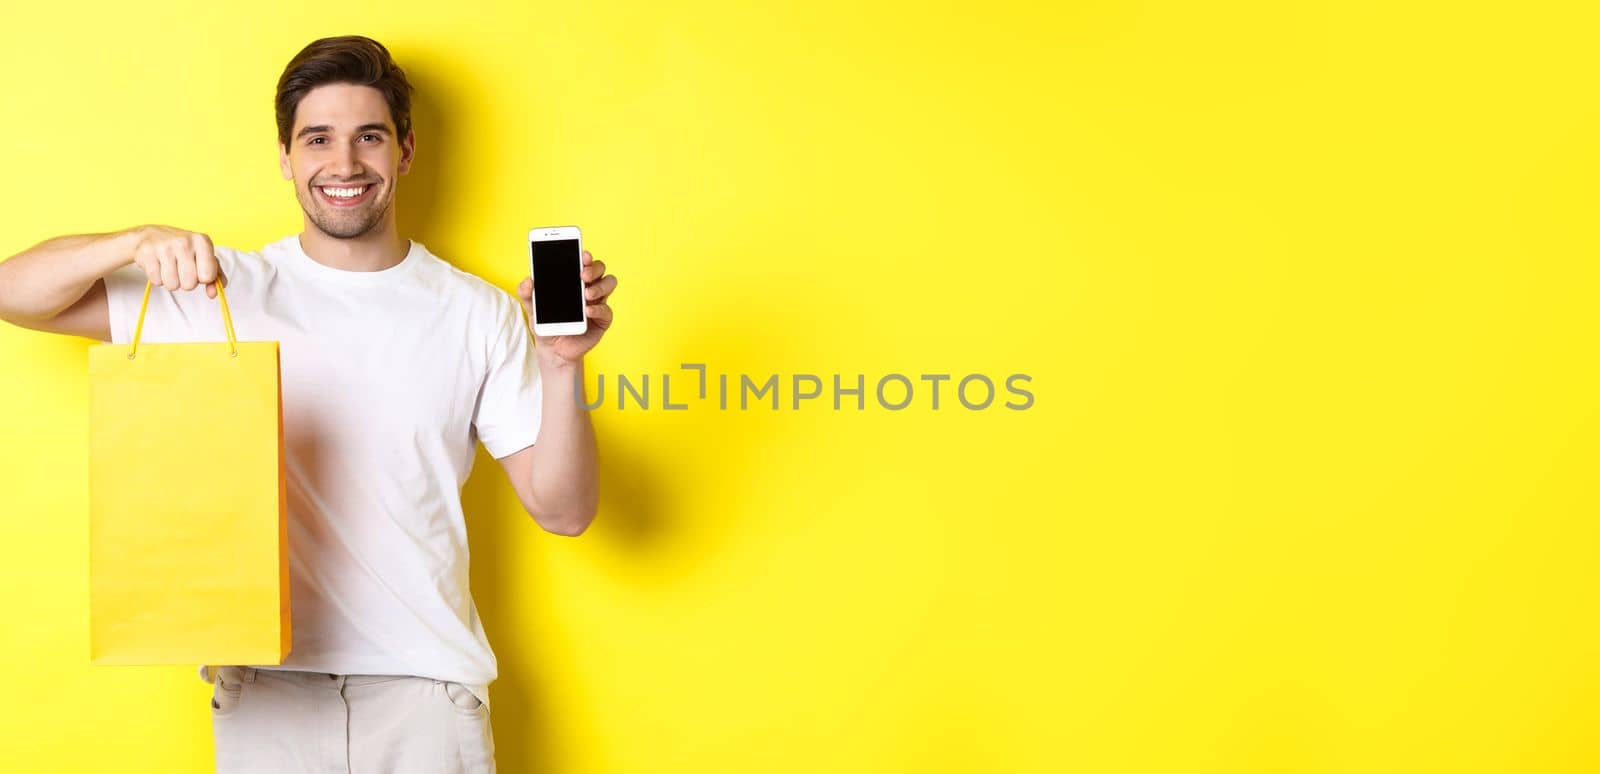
566,482
40,282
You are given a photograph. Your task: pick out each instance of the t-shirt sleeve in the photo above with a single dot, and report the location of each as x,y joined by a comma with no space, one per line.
507,414
172,316
124,291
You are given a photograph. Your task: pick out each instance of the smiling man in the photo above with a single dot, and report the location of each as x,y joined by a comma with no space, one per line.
394,364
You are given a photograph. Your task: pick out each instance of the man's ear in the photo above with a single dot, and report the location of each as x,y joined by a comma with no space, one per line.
408,151
283,162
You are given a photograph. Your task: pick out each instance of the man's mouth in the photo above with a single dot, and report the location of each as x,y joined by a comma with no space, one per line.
346,195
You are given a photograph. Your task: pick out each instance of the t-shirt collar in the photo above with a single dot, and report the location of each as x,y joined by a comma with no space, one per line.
298,255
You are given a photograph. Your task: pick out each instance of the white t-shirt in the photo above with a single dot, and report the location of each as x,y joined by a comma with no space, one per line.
389,379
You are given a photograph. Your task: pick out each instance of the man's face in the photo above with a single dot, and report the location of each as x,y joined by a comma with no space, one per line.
343,143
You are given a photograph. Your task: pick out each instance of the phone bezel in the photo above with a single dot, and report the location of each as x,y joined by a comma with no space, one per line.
569,328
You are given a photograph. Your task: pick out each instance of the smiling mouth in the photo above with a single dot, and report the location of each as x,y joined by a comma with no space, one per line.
344,195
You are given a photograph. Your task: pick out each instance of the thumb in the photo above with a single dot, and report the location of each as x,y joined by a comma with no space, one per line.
211,287
525,295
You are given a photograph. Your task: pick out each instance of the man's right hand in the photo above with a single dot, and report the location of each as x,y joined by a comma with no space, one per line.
176,259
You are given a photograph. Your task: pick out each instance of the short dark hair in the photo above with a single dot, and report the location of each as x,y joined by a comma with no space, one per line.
344,59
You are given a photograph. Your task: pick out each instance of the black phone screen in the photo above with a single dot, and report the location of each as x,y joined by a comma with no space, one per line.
557,291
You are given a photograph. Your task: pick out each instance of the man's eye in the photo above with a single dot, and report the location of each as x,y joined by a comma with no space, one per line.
314,141
373,136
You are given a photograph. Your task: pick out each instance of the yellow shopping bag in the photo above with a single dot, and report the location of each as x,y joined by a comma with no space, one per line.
188,535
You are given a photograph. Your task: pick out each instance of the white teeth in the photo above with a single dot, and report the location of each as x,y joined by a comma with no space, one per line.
344,193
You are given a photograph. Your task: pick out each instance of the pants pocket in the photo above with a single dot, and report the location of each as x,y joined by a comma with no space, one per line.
464,699
473,730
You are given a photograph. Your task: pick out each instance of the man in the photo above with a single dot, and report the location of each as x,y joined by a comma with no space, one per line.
393,363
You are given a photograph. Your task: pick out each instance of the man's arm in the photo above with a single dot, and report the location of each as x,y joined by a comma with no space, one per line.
58,286
557,479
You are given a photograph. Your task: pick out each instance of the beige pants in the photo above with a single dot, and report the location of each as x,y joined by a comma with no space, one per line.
286,722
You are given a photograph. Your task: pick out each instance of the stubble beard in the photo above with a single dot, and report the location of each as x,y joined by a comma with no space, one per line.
347,225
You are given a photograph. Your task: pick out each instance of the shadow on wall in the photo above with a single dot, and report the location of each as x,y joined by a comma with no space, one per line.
523,720
526,722
420,193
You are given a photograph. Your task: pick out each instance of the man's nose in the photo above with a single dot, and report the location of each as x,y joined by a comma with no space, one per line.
344,162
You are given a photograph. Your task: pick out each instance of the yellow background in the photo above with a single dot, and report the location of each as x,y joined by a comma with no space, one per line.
1307,292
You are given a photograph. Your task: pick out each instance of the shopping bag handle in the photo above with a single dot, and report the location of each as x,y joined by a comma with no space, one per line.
227,319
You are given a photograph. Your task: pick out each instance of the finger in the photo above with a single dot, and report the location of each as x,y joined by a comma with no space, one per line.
587,257
186,266
600,290
205,259
169,268
594,271
600,313
525,288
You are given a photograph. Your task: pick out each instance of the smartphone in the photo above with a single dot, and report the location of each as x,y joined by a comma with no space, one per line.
559,308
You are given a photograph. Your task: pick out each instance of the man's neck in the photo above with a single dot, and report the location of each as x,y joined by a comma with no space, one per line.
375,250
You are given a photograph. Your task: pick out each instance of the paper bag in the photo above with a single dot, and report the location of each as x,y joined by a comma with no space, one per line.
188,531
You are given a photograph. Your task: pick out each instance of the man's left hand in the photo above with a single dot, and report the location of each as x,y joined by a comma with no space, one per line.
561,351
